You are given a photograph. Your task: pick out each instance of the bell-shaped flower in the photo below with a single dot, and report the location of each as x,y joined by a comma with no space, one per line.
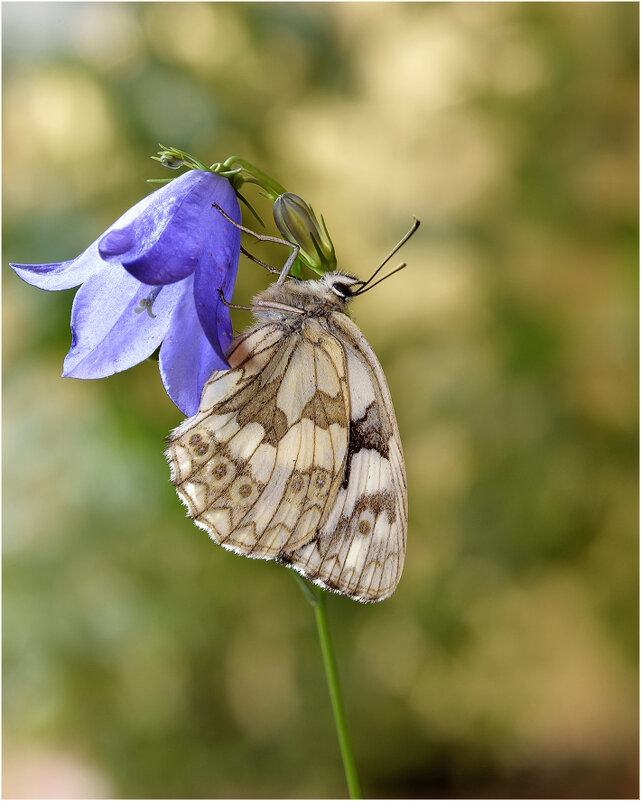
154,279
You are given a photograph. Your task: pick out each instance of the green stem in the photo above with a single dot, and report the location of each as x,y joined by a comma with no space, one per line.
316,597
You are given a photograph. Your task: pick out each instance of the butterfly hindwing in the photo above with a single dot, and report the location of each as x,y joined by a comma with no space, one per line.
360,547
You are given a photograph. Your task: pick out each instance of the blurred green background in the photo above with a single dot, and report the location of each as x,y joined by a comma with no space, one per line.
142,661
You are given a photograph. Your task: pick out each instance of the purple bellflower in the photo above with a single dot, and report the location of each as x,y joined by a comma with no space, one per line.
154,279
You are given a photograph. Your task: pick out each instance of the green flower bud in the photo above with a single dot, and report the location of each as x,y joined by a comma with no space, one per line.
298,224
174,158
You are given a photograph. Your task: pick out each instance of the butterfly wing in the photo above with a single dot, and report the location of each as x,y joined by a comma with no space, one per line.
360,547
259,465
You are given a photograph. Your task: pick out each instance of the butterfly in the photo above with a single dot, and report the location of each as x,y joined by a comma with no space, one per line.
295,454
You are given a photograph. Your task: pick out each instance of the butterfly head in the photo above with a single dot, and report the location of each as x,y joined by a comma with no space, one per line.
342,285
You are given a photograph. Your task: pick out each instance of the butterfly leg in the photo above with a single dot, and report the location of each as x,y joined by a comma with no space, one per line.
258,261
232,305
263,238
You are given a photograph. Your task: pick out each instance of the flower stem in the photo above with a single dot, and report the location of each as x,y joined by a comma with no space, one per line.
316,597
249,173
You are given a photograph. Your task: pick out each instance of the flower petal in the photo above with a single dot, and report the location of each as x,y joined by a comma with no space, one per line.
66,274
110,329
144,228
162,245
186,357
61,275
216,270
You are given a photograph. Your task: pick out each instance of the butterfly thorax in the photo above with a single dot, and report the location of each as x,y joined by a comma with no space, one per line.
296,299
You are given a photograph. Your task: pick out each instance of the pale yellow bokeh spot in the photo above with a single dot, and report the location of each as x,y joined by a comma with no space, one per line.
57,114
59,124
107,35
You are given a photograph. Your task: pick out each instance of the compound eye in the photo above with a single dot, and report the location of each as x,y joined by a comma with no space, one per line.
342,290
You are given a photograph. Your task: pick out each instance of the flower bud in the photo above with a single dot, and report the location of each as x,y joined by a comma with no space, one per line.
169,158
171,161
298,224
174,158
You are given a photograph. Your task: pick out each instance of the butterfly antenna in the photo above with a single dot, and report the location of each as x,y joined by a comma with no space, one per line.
394,250
366,288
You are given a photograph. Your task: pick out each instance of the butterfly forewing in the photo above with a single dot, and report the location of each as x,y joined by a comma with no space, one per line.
259,464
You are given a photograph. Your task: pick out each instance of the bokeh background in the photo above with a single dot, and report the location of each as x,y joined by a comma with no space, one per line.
140,660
